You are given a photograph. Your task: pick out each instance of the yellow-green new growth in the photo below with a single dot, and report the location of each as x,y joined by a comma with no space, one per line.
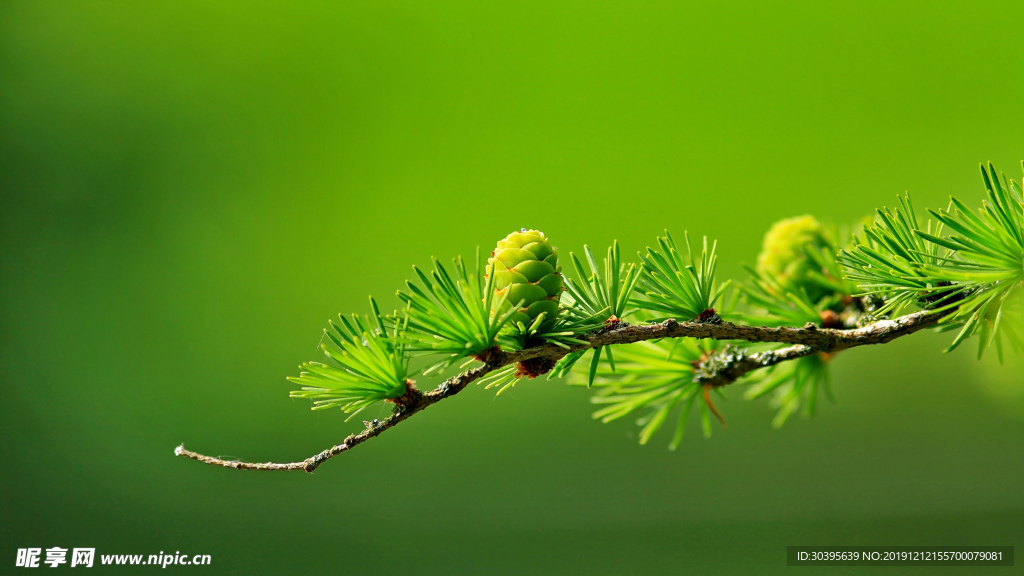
784,258
527,273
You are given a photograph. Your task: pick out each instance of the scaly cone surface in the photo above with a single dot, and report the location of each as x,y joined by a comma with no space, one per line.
783,255
526,270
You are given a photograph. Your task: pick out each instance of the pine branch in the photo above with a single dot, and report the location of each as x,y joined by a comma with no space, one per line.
805,341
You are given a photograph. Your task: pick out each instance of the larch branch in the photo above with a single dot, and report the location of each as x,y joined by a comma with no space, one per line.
804,341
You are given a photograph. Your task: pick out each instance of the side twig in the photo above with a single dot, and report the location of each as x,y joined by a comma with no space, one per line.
805,341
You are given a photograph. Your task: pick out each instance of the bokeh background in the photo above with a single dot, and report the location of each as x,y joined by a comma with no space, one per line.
190,190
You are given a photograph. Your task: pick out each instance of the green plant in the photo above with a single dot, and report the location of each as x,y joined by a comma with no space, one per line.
974,274
786,255
677,286
892,260
371,365
813,294
658,376
603,294
450,316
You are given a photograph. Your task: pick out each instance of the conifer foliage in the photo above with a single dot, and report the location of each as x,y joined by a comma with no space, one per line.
963,264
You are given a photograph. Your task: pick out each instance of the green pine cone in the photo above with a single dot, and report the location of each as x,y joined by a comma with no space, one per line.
783,257
526,269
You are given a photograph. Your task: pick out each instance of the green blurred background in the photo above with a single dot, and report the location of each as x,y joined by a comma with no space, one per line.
191,189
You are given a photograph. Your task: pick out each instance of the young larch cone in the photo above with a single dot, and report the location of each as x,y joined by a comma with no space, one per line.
526,270
783,257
